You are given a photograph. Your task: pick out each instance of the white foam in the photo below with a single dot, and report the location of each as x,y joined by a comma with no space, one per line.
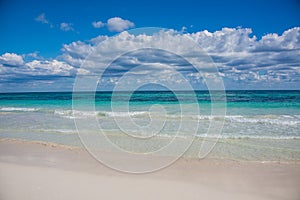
63,131
71,114
84,114
249,137
291,120
266,119
124,114
18,109
286,120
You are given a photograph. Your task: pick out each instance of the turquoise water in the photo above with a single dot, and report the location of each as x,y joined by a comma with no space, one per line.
259,125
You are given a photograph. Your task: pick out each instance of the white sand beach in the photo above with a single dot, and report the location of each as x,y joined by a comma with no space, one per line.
32,170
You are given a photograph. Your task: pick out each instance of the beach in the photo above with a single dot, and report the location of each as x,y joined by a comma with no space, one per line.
49,141
128,100
37,170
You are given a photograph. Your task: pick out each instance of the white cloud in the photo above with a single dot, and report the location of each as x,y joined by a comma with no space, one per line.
98,39
226,40
75,52
11,59
183,29
13,65
243,60
42,19
53,67
98,24
66,26
117,24
289,40
238,55
33,55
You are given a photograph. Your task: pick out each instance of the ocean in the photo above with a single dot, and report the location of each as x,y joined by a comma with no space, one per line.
258,125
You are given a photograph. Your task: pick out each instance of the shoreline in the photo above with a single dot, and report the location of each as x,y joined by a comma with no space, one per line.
53,171
228,146
77,149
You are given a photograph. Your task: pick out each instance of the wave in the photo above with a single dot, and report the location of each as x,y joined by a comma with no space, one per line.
62,131
10,109
266,119
285,120
71,114
222,136
288,120
186,136
123,114
258,119
249,137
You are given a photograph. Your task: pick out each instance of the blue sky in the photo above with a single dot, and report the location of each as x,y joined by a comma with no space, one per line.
36,30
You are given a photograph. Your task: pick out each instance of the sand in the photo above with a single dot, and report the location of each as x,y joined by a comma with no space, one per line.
32,170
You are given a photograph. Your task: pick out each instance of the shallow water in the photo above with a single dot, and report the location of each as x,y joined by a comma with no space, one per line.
258,125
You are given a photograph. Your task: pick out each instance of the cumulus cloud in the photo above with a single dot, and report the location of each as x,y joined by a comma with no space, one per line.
243,60
53,67
289,40
98,24
75,52
273,61
35,75
11,59
66,26
42,19
117,24
35,67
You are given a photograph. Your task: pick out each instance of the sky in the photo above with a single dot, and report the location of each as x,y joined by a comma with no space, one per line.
254,44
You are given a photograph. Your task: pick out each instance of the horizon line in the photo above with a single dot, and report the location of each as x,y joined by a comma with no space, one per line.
148,91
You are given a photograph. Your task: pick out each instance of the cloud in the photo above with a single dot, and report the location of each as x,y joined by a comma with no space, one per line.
114,24
75,52
66,26
117,24
42,19
33,55
243,60
271,62
53,67
36,75
11,59
63,26
98,24
289,40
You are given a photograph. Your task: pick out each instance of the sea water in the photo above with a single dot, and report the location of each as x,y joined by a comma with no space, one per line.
258,125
